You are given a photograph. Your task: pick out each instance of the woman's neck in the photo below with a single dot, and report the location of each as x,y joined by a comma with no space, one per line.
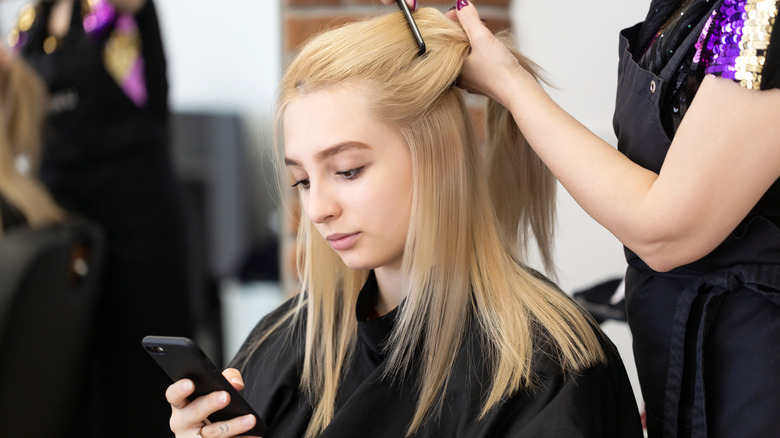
391,292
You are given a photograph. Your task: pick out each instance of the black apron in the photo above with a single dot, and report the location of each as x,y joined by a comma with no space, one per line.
706,335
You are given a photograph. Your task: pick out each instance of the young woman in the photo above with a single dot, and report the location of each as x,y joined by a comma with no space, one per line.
415,316
693,194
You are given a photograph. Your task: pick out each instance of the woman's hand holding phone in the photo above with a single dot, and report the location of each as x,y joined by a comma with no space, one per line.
188,418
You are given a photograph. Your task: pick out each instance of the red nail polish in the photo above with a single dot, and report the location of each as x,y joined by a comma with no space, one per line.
461,4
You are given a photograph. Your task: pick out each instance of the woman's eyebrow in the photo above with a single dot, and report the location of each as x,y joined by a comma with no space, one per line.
331,151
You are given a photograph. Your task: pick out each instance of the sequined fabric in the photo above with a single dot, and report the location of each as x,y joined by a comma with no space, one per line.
683,84
122,53
734,43
736,47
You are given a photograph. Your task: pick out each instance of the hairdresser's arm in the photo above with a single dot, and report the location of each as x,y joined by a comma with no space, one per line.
188,418
725,155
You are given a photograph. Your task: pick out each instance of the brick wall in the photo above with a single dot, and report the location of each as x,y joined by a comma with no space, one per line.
303,18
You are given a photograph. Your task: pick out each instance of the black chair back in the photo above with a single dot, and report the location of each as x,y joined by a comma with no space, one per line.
49,285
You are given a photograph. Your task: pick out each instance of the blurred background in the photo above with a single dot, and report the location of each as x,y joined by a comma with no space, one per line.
224,62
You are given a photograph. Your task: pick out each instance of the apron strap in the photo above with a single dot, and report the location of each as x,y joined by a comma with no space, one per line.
677,358
715,286
711,306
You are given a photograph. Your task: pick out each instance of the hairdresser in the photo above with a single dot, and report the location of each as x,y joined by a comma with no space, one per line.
693,194
105,157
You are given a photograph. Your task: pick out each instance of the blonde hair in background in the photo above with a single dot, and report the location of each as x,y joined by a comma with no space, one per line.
23,101
466,230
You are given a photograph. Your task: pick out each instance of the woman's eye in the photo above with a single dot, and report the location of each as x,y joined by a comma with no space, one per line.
303,183
351,173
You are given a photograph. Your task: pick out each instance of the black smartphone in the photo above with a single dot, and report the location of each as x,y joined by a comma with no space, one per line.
182,358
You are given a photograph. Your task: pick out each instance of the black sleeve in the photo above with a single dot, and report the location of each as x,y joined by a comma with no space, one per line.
771,72
154,58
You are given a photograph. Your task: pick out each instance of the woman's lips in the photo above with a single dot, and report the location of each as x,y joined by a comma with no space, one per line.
340,242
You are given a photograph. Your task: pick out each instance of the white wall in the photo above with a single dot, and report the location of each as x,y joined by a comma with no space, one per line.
222,55
576,44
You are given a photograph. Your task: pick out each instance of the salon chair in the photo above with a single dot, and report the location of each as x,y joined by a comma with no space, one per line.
48,294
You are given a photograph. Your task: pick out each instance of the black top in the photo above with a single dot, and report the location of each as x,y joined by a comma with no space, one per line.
663,34
598,402
91,118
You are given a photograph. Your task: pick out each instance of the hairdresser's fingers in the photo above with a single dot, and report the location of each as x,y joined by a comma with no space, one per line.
412,3
468,16
234,377
487,67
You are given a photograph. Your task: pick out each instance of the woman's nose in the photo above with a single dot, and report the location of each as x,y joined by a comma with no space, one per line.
322,205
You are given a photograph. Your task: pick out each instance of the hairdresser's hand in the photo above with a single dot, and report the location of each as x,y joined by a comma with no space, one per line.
188,418
491,66
412,3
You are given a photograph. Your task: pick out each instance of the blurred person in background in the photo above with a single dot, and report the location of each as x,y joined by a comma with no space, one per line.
106,157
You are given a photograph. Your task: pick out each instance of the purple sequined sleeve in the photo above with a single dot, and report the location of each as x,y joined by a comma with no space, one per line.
735,41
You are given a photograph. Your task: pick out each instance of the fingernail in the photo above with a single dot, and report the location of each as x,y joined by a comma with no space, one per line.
414,5
248,420
451,9
186,385
462,4
222,397
236,380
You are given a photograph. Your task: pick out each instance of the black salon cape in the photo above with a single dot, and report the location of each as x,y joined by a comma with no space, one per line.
597,403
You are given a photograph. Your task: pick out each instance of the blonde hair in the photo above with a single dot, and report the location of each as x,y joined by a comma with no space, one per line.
23,101
458,263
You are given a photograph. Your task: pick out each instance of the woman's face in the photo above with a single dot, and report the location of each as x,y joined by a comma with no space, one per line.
354,174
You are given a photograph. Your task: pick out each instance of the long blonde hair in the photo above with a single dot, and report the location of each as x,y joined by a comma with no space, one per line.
23,100
458,266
